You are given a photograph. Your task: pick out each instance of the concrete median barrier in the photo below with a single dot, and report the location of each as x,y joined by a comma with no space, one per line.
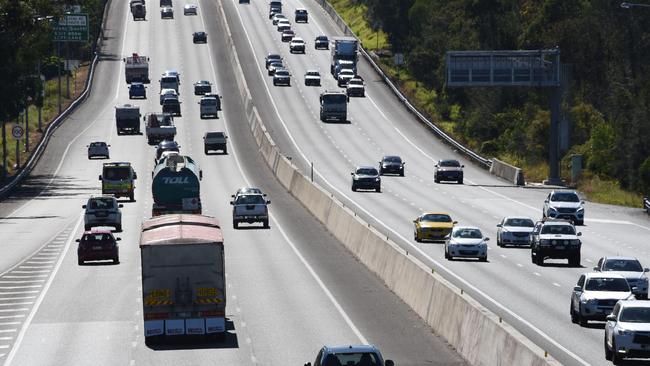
508,172
476,333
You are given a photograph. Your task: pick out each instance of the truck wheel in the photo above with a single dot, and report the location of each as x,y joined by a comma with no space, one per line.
118,228
265,224
116,260
80,262
574,261
608,352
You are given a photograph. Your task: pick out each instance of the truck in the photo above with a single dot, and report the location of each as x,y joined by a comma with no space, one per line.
138,10
183,282
159,127
136,68
118,179
127,119
275,6
343,48
176,186
334,105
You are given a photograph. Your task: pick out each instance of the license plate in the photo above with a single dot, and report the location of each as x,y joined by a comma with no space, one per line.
559,247
97,248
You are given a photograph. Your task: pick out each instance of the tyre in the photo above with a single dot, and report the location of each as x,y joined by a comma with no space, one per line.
580,223
460,181
131,197
87,227
116,260
574,316
574,261
499,244
436,180
80,262
581,319
608,352
265,224
118,228
354,188
416,236
235,224
322,118
616,358
447,256
205,151
401,174
225,151
483,259
378,189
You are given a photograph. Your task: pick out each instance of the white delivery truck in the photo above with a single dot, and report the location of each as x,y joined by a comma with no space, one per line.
183,283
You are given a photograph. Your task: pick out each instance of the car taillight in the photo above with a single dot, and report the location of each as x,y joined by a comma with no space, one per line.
211,313
156,316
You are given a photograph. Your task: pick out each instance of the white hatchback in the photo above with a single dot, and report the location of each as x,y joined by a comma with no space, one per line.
466,242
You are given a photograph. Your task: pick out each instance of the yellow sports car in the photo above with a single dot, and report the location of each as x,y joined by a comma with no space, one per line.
432,226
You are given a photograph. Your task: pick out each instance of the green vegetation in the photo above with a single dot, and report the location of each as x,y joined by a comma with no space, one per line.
606,47
354,14
26,39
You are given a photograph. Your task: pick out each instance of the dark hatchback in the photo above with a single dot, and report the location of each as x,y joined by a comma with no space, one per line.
366,177
391,164
97,245
448,170
322,43
137,90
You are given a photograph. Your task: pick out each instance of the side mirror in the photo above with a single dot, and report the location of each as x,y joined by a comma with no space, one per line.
583,202
415,221
577,288
232,195
87,145
499,225
109,145
135,175
596,269
579,234
389,363
232,203
78,240
263,194
351,173
455,222
435,166
84,206
611,318
120,205
462,166
646,270
486,239
545,201
268,202
308,364
118,239
100,177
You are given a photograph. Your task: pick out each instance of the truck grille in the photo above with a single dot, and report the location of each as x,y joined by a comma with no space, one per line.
521,235
607,303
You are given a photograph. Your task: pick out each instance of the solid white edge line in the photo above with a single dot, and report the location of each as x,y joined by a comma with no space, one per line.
461,280
302,259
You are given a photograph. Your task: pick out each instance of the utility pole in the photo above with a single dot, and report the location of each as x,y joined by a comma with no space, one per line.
67,68
27,125
58,69
42,97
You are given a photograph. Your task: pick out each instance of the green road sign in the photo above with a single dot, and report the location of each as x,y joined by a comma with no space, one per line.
72,28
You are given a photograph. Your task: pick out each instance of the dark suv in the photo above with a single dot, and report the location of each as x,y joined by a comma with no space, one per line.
96,245
200,37
137,90
448,170
391,165
322,43
366,177
301,15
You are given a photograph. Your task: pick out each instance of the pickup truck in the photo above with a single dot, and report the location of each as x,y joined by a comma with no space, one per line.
159,127
215,141
250,208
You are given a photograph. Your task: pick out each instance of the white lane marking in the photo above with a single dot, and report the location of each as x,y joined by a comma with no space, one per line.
537,274
21,281
17,303
19,287
415,248
13,310
556,284
41,296
9,330
6,338
27,276
17,298
302,259
18,292
12,316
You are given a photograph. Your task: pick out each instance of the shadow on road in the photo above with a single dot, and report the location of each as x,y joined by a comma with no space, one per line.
44,187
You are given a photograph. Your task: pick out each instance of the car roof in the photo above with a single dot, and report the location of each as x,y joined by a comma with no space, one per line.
391,156
202,82
190,5
351,348
297,39
620,258
312,70
467,227
365,167
556,222
322,36
168,143
199,32
434,213
273,55
634,303
602,275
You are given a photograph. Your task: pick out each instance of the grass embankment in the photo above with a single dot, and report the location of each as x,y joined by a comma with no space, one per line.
354,14
49,112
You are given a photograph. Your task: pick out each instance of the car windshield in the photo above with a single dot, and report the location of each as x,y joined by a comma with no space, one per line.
607,284
117,173
137,86
450,163
321,38
249,190
97,144
282,73
313,73
215,134
628,265
519,222
203,83
101,203
565,197
297,41
392,159
344,359
346,72
435,218
168,79
208,101
558,230
277,65
301,11
367,171
468,234
635,315
250,199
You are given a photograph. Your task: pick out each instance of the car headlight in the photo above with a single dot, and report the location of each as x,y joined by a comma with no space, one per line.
590,301
545,242
376,179
625,332
552,209
575,242
643,279
580,209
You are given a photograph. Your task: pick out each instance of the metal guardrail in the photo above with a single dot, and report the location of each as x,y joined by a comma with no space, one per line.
486,163
40,148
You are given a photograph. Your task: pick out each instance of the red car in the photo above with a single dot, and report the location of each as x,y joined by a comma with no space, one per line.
96,245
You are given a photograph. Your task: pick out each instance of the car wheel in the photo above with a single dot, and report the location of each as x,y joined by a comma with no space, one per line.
225,151
118,228
436,180
87,227
354,188
131,197
401,174
205,151
460,181
574,261
574,316
483,259
265,224
416,236
235,224
580,223
581,319
116,260
533,258
378,189
608,352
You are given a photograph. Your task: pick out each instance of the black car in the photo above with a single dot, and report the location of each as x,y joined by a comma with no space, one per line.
166,145
137,90
448,170
199,37
322,43
301,15
271,58
202,87
172,106
391,164
366,177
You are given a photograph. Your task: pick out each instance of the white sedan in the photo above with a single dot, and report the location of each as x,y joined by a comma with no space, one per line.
515,231
466,242
190,9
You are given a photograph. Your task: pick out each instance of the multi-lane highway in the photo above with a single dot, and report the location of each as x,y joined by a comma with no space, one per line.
291,288
534,298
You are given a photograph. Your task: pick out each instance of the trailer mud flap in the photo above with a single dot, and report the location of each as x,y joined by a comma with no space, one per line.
154,327
215,325
195,326
175,327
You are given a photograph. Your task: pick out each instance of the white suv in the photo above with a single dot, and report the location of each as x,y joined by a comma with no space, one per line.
631,269
102,211
595,295
627,331
565,205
